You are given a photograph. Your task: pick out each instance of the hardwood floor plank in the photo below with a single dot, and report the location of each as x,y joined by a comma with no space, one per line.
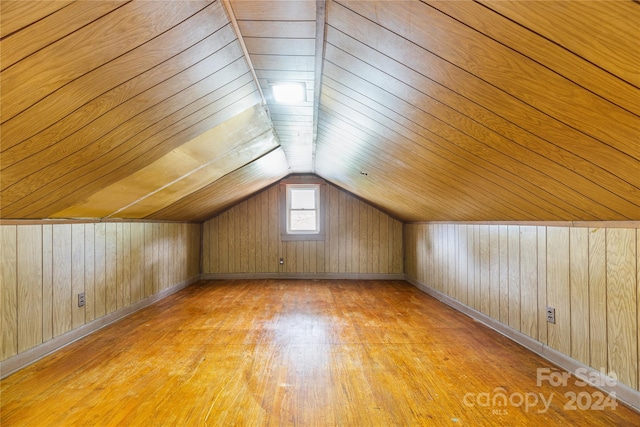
293,352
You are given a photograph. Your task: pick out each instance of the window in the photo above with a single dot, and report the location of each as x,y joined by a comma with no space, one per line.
302,209
301,212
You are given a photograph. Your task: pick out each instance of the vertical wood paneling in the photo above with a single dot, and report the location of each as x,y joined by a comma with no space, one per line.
398,251
485,275
100,270
589,275
45,266
622,327
498,298
89,271
9,290
542,285
212,238
77,274
157,253
348,219
166,259
224,241
358,239
29,273
502,281
514,276
477,267
111,284
275,248
529,281
47,282
262,233
119,265
206,246
126,264
341,236
148,259
364,242
579,260
253,238
597,299
558,292
242,228
137,262
62,296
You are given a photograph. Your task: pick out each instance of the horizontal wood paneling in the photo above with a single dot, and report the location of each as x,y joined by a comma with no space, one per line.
44,267
359,239
589,275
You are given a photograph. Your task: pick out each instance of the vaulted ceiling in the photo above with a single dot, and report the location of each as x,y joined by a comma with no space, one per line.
430,110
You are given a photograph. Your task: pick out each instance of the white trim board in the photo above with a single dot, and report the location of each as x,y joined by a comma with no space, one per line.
623,393
26,358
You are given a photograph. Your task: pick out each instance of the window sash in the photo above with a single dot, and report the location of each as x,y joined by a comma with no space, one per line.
291,228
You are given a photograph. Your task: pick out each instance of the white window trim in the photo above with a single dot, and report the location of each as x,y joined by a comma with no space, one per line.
315,187
320,209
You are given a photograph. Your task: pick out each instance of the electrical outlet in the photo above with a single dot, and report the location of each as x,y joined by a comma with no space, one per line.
551,314
81,300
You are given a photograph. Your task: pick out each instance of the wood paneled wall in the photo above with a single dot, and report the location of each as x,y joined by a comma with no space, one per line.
359,239
591,276
116,264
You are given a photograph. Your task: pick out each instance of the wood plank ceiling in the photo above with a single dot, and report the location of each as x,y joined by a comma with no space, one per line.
430,110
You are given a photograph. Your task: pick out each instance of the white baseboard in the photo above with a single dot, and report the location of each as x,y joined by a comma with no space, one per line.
623,393
24,359
308,276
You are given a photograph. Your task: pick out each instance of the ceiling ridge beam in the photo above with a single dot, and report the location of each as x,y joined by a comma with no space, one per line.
321,16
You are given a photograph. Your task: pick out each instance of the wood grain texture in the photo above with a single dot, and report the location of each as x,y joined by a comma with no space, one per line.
455,111
514,276
558,288
20,14
46,266
49,29
597,298
29,271
46,70
239,246
579,284
502,280
9,289
528,261
47,282
77,274
73,115
513,22
622,327
542,285
613,30
274,352
62,296
100,273
588,274
89,271
389,88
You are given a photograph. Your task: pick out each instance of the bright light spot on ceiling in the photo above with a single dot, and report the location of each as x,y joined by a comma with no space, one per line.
288,93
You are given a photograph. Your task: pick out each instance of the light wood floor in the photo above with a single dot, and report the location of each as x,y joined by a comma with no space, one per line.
305,353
